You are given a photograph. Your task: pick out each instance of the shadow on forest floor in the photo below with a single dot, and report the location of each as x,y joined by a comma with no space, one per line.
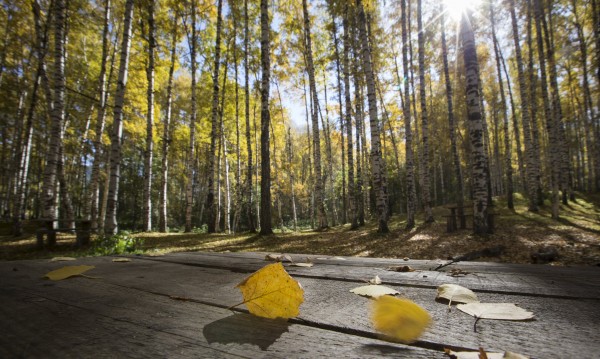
575,237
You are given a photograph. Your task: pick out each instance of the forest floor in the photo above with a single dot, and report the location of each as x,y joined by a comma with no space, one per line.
520,237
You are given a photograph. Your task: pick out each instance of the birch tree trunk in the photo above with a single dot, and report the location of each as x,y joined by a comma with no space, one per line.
507,144
377,164
360,165
318,177
341,111
148,154
515,123
531,172
329,156
424,120
348,119
163,225
238,173
189,200
551,126
57,114
265,120
111,225
210,199
249,187
533,104
223,145
411,193
452,127
478,158
562,155
290,153
92,204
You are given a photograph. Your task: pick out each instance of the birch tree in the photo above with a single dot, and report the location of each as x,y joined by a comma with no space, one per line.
111,225
149,152
318,177
265,121
212,174
475,124
377,164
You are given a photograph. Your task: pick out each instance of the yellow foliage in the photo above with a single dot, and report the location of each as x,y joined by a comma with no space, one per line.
400,319
271,293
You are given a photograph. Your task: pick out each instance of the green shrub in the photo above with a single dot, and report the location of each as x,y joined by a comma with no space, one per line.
119,243
202,229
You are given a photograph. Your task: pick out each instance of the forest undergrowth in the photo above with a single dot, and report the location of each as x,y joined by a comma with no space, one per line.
519,237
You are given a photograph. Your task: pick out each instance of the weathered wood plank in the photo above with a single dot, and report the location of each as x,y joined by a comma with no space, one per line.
568,282
83,317
563,327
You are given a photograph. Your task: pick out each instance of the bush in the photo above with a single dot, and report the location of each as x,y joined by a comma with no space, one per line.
202,229
119,243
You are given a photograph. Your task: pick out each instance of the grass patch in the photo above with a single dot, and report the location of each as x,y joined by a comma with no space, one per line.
575,236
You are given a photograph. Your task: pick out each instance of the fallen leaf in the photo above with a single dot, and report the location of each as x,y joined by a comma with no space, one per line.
456,293
66,272
400,319
270,292
476,355
278,258
375,280
62,259
400,269
307,265
499,311
121,259
374,291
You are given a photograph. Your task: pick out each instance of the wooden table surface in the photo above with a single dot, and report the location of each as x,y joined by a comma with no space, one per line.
176,306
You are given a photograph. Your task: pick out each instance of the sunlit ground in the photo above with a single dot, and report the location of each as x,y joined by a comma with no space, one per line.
575,238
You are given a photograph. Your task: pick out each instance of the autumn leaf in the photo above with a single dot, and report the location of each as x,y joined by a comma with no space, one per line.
62,259
374,291
400,319
66,272
499,311
270,292
456,293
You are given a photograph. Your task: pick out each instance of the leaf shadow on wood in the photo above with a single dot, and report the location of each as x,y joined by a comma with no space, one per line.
245,329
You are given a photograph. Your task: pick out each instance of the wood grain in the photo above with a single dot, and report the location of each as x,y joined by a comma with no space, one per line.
563,326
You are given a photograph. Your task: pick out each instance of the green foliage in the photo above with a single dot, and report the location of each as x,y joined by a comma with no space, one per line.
120,243
201,229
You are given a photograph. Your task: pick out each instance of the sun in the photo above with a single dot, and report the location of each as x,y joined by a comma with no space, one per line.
455,8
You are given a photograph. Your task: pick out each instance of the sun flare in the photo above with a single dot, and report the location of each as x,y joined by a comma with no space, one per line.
455,8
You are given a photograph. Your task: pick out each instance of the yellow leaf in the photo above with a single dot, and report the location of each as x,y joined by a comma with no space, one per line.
66,272
400,319
62,259
270,292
